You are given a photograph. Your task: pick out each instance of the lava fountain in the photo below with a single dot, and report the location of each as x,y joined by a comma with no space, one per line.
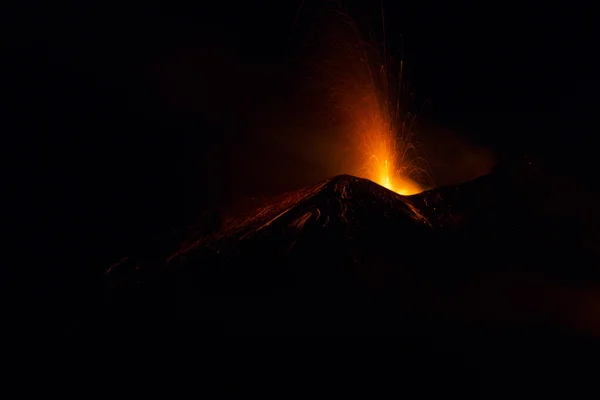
367,92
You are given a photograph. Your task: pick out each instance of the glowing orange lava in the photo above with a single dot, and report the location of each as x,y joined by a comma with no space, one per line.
402,185
368,92
382,138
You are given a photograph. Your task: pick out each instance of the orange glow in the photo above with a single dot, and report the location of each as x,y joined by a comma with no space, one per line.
402,185
368,91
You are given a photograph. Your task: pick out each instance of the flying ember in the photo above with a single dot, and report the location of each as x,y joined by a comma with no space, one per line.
368,92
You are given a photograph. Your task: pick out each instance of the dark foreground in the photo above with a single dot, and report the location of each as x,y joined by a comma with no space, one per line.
486,289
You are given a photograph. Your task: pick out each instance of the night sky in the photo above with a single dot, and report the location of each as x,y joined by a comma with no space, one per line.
124,122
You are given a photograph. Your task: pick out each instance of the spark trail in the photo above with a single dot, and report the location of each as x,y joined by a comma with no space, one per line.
366,89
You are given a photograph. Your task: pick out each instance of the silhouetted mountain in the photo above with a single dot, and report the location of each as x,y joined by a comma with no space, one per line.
469,280
344,255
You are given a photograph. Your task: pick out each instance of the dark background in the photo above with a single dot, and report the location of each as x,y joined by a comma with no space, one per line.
123,122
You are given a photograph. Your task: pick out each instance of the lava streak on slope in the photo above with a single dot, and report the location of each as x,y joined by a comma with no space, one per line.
341,201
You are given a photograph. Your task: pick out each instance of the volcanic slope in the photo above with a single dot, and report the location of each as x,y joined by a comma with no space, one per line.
342,209
302,253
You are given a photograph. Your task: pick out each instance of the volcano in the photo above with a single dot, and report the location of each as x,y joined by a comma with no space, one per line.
463,280
348,256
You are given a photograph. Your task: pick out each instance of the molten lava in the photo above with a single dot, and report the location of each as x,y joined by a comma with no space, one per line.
367,90
402,185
